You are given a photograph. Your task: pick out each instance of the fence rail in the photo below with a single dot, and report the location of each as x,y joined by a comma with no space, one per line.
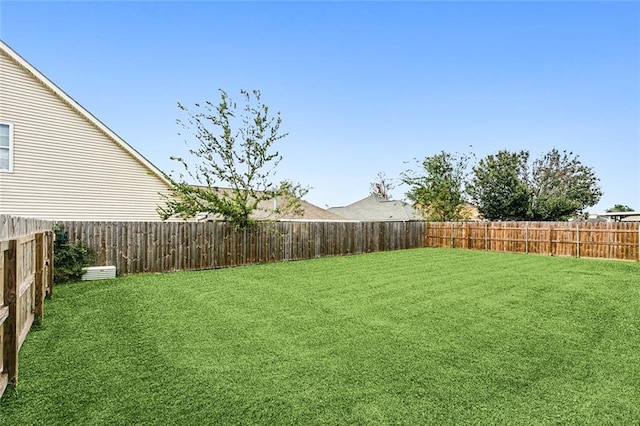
26,277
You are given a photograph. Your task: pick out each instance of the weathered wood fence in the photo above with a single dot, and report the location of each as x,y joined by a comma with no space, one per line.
134,247
606,240
26,277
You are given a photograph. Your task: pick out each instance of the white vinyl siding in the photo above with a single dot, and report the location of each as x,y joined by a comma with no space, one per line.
65,166
6,147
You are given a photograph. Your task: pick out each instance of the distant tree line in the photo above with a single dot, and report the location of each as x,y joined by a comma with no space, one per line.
504,186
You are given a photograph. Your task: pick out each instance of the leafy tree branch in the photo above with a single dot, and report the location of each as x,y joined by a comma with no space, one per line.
235,163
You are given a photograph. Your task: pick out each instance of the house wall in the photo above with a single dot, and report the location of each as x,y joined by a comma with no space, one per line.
64,166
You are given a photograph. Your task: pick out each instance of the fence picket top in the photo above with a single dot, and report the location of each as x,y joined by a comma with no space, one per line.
14,227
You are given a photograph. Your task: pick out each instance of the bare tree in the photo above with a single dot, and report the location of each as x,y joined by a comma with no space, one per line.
382,186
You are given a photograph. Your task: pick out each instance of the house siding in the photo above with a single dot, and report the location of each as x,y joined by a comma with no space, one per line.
64,166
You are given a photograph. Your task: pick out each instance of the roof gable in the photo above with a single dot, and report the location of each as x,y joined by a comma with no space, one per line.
80,110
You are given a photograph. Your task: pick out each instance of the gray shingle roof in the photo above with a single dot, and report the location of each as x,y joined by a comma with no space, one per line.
373,208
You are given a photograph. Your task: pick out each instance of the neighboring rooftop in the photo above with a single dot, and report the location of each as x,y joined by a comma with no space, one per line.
373,208
310,212
267,210
622,216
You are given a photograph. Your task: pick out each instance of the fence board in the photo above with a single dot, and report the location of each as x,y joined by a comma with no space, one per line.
10,346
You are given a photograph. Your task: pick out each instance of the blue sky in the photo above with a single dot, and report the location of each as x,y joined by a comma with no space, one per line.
363,87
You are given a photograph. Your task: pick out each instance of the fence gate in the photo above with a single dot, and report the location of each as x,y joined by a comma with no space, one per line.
25,279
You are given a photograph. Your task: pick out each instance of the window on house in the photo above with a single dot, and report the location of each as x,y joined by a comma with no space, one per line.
6,147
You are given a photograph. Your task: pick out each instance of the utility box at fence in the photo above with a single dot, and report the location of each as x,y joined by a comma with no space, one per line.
99,273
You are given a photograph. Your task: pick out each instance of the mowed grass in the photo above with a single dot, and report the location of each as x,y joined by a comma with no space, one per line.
427,336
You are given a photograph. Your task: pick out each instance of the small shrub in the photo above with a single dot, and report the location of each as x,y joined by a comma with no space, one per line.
69,258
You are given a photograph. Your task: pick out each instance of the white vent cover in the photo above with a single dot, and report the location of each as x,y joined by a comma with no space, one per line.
99,273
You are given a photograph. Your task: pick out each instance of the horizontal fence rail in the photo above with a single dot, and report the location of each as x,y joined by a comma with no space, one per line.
134,247
26,277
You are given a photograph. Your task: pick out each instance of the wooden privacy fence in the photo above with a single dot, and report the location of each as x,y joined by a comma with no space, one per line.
606,240
26,276
134,247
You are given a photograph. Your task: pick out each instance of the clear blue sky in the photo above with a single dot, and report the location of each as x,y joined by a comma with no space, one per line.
363,87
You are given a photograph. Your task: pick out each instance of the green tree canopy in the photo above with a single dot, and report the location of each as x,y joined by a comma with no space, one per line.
556,186
437,189
500,186
562,186
620,208
234,162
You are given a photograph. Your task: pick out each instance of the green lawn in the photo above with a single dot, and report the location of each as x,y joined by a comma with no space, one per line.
427,336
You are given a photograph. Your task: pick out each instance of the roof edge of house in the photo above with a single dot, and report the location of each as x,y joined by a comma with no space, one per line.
46,82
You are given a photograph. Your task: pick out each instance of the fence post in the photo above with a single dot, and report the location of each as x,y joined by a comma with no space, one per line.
426,235
39,279
577,239
466,229
486,237
453,242
50,247
504,236
10,349
550,239
526,237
